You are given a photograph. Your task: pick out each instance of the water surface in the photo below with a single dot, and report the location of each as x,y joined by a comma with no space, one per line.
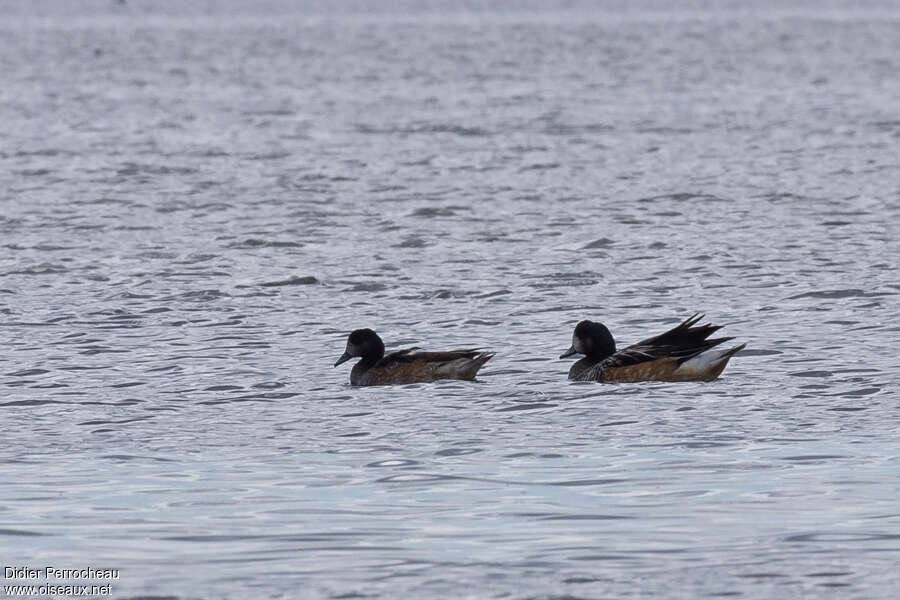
198,204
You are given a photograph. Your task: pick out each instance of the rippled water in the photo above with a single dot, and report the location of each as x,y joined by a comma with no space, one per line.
197,208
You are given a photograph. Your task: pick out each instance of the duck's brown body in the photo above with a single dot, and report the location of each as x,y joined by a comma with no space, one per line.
421,367
683,353
406,366
661,369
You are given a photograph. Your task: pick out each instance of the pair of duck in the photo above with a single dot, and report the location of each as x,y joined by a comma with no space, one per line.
683,353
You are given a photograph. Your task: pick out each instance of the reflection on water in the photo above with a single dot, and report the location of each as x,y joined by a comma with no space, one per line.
198,210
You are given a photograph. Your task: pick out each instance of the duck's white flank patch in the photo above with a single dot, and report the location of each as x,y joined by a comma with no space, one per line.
703,362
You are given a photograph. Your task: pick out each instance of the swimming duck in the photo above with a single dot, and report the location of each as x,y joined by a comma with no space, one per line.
682,353
406,366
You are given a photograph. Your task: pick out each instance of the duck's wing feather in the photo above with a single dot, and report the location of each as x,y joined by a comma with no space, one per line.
409,355
681,343
397,355
406,366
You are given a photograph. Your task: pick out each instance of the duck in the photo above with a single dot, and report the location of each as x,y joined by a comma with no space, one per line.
406,366
683,353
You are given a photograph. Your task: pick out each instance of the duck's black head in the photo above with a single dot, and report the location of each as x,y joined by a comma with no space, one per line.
364,343
593,340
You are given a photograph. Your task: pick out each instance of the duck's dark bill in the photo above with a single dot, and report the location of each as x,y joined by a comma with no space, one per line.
344,358
569,352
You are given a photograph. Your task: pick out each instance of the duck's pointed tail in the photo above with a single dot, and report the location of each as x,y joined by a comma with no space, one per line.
471,366
731,352
709,364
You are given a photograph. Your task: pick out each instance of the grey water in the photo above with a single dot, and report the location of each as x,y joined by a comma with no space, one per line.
198,201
